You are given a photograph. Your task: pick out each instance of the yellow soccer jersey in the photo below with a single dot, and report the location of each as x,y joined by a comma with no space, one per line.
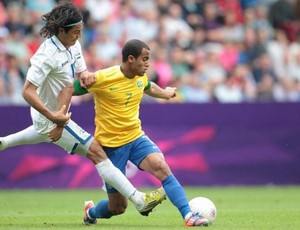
117,102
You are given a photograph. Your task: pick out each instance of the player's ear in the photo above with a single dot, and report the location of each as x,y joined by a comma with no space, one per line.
130,58
61,30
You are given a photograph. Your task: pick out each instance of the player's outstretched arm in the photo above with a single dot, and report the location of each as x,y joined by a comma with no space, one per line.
158,92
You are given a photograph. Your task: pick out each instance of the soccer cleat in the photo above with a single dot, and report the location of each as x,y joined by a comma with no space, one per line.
196,220
152,199
86,219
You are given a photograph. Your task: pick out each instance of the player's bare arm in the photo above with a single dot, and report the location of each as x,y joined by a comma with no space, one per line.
63,99
30,95
158,92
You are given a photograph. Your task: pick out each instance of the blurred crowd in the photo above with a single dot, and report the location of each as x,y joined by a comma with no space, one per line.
226,51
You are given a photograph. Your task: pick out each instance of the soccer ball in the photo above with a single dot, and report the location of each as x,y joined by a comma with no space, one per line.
205,207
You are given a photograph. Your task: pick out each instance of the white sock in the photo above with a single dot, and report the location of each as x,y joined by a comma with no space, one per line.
138,198
187,216
115,178
23,137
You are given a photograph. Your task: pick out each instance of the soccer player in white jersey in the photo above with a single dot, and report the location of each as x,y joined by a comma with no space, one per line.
57,62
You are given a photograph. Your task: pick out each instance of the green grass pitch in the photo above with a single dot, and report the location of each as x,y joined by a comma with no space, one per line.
269,207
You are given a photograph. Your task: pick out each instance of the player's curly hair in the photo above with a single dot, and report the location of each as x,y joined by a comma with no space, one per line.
62,16
133,47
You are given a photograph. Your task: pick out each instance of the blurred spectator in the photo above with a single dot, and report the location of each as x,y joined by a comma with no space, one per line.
229,55
162,67
192,11
3,14
239,86
232,6
212,67
178,63
282,16
193,90
278,52
33,13
100,10
263,66
232,30
265,88
14,78
286,90
261,21
252,48
106,49
149,19
16,46
126,25
212,23
294,60
33,42
177,29
4,94
163,6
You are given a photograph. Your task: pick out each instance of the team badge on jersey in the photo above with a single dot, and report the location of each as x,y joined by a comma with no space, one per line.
140,84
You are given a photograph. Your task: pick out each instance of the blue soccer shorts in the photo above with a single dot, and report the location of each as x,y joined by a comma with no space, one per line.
135,152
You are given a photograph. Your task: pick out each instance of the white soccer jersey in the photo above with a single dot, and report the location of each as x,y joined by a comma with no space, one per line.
52,68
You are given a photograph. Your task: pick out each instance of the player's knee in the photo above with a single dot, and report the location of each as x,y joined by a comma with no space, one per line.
161,169
96,153
118,210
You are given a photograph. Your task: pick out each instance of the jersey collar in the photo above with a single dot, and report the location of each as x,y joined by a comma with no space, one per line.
57,43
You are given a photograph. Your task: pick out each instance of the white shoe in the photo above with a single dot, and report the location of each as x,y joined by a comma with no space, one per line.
1,144
86,219
195,219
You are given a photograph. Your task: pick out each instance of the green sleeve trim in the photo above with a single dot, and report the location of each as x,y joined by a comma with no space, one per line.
78,89
148,86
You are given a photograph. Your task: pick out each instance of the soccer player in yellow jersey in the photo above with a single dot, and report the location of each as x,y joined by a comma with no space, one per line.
118,92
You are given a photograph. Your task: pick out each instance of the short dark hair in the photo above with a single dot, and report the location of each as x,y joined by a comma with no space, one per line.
133,47
62,16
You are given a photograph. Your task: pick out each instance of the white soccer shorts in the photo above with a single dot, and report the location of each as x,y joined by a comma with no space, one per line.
74,139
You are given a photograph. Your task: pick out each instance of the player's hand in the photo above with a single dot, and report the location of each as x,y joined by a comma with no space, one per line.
170,92
87,79
55,133
60,118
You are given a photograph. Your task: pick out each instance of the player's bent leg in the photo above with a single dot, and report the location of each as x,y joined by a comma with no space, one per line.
117,203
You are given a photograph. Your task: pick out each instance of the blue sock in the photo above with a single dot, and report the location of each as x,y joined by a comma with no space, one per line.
100,210
176,194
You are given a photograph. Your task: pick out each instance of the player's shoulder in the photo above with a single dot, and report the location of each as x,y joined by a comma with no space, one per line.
47,50
42,55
